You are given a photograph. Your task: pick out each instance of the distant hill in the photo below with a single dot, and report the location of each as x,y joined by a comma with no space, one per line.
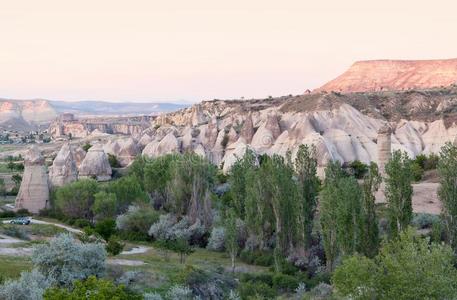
394,75
28,114
111,108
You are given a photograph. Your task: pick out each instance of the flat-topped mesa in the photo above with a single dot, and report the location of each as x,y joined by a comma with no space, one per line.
384,148
378,75
95,164
33,193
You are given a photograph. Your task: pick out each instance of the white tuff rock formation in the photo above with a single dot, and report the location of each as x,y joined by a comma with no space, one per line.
95,164
34,190
63,169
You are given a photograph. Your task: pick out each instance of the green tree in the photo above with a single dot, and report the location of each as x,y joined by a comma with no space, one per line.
407,267
75,199
128,190
399,192
86,147
92,289
231,237
306,169
447,169
341,214
370,233
104,205
192,180
237,180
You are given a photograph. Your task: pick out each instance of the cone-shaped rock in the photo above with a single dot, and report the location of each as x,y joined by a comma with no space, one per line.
95,164
63,169
34,190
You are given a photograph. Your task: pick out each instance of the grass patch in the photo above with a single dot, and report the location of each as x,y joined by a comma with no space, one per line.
11,266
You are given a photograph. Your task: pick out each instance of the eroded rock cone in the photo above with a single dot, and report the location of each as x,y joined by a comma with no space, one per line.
34,190
95,164
125,150
247,131
63,169
384,147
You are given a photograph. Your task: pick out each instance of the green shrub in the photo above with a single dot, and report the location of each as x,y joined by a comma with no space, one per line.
105,228
15,231
114,246
358,169
7,214
417,171
81,223
266,278
255,290
22,212
423,220
260,258
284,282
113,162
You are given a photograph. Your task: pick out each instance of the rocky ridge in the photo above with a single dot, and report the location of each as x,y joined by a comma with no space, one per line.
342,126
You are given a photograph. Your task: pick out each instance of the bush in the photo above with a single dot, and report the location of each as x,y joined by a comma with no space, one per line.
92,288
75,199
113,162
23,212
167,228
114,246
15,231
423,220
7,214
265,278
284,282
358,169
260,258
67,260
81,223
31,285
256,290
105,228
135,223
417,171
179,292
216,241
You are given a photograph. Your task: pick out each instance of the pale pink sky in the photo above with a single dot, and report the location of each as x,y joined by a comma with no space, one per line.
193,50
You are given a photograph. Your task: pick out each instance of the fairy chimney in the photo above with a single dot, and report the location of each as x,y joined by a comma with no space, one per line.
33,193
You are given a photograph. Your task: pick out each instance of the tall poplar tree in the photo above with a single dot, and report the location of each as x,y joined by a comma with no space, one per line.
399,192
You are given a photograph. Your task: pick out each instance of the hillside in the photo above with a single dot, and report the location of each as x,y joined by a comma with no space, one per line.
377,75
343,126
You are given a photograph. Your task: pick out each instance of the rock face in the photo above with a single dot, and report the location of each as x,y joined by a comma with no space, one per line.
384,148
125,150
63,169
377,75
168,144
95,164
79,155
34,190
24,115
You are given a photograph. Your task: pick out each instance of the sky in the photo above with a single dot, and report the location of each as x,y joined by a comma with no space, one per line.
193,50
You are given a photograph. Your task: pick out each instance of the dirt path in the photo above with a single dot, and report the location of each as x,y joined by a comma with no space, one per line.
4,239
136,250
68,228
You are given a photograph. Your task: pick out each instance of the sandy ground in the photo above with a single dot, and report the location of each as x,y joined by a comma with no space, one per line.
425,198
124,262
5,240
136,250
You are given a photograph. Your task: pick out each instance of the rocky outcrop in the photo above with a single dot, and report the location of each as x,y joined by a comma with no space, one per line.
169,144
247,131
267,134
63,169
78,155
125,150
378,75
34,190
384,148
95,164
